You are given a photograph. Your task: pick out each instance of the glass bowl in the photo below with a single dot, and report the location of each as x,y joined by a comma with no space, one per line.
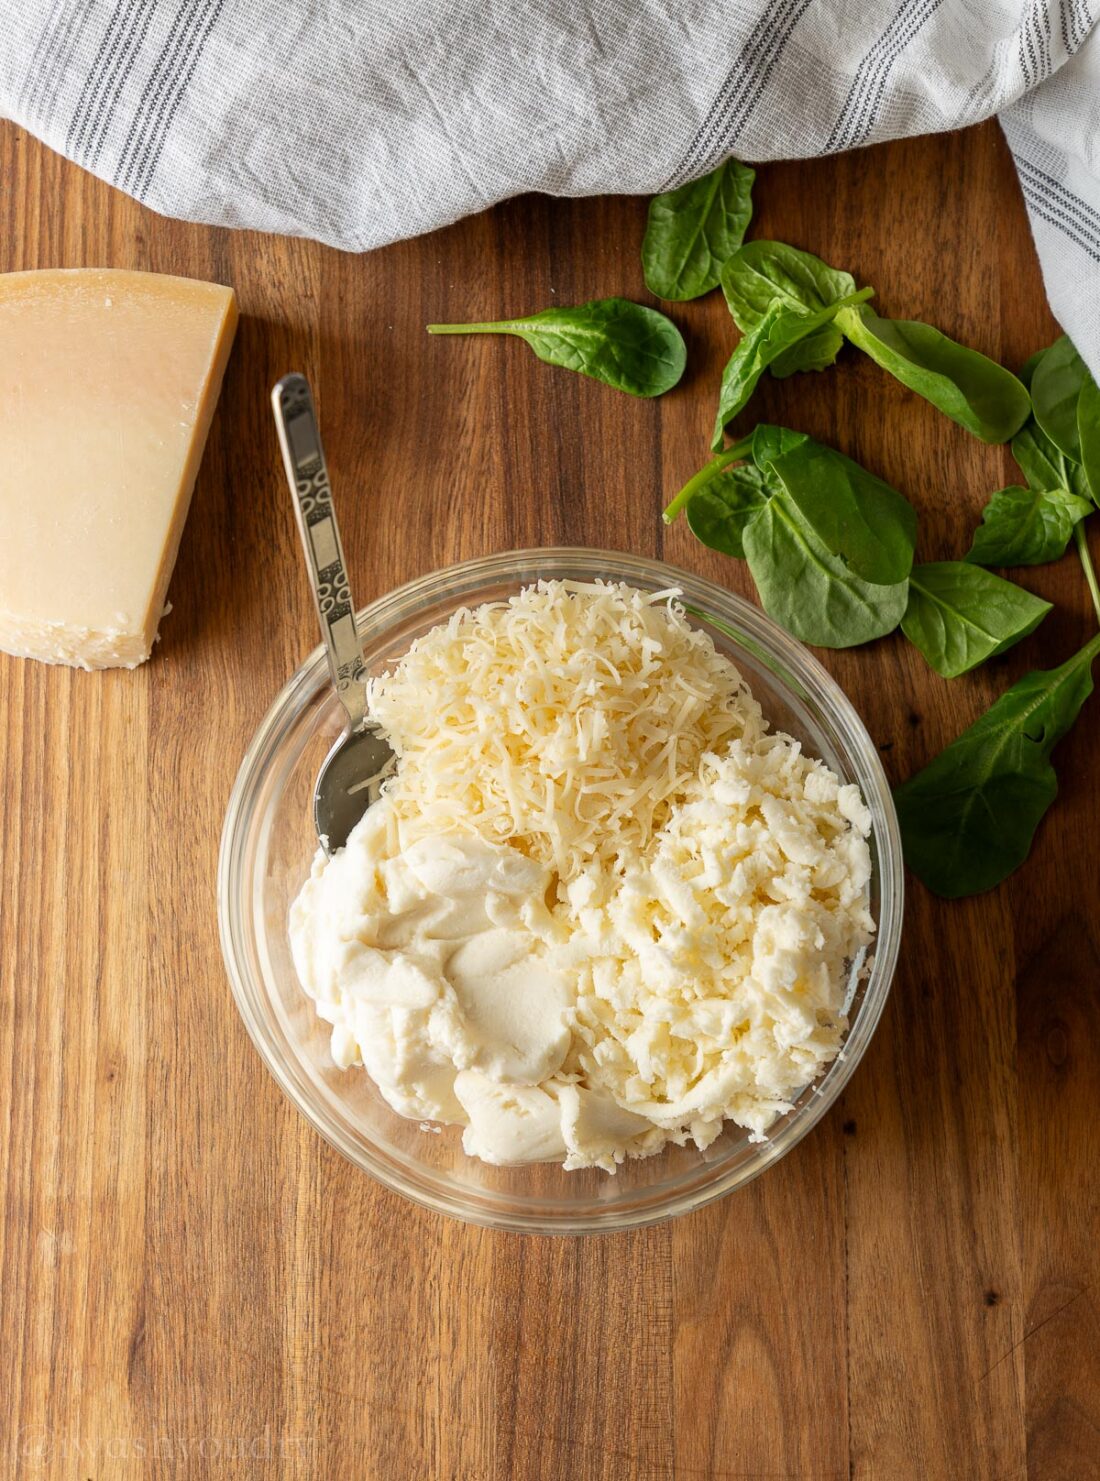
268,843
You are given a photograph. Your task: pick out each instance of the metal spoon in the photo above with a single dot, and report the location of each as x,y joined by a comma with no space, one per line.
353,772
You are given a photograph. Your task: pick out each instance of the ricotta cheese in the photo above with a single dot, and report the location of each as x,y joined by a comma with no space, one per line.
604,911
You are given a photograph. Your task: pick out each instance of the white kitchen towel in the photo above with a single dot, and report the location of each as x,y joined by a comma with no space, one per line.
363,121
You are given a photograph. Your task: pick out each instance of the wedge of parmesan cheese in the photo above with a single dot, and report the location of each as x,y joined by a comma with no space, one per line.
111,380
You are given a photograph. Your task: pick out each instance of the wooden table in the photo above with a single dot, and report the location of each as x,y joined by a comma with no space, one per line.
193,1282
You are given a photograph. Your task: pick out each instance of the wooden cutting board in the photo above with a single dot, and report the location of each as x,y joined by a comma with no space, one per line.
193,1282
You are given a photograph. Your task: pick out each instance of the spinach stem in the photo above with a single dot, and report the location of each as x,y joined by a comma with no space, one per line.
711,470
504,326
1087,565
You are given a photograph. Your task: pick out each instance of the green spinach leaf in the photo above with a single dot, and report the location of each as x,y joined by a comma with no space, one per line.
777,331
848,513
816,352
719,511
760,274
972,390
1026,527
968,819
1027,369
752,356
767,442
623,344
1062,440
959,615
1088,433
734,494
1056,385
694,230
1044,465
809,591
699,481
854,514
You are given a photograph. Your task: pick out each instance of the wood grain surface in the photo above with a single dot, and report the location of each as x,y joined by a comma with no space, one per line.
193,1283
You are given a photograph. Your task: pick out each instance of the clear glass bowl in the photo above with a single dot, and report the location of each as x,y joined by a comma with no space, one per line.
268,843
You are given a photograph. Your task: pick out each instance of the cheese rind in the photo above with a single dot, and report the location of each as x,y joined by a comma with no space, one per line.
112,380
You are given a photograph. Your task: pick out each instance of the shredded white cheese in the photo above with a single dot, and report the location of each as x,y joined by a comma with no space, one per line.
565,721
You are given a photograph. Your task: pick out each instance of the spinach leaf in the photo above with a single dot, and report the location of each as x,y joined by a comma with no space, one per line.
807,590
854,514
699,481
959,615
694,230
623,344
1026,527
972,390
968,819
849,513
768,442
777,331
816,352
1055,390
1044,465
1065,423
762,273
749,361
719,511
711,523
1088,433
1027,369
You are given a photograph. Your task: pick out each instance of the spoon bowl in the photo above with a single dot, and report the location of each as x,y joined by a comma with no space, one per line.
350,781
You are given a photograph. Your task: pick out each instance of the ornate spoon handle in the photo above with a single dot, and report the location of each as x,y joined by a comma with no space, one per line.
307,475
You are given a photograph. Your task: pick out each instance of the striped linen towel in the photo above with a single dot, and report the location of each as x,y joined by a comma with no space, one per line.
362,121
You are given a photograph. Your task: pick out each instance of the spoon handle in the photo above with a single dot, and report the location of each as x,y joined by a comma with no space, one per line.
307,475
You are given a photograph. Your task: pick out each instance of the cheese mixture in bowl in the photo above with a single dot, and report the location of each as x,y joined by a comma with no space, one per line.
600,907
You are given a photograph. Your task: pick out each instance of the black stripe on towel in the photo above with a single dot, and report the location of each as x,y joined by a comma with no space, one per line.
164,89
1087,217
865,98
45,70
207,24
104,85
1060,208
738,93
